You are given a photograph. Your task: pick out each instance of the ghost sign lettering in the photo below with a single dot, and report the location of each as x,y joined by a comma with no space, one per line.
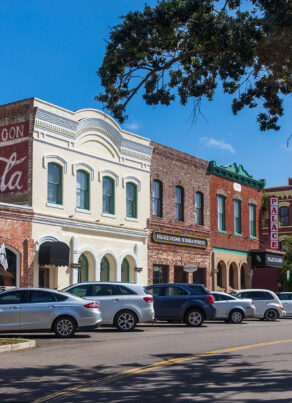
14,158
274,222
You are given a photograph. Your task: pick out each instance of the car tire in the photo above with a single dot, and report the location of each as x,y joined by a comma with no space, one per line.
64,327
125,321
271,315
236,316
194,318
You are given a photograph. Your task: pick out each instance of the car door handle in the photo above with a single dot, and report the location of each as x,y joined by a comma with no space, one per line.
53,306
14,307
116,300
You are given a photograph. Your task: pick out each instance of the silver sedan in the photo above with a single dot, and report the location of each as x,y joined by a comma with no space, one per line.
232,309
39,309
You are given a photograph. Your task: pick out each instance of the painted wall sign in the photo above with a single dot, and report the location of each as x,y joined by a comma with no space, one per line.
176,239
274,222
14,158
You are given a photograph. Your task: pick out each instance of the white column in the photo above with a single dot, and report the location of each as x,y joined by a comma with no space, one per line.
74,259
137,251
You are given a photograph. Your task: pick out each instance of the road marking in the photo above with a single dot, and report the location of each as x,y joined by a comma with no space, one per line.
89,384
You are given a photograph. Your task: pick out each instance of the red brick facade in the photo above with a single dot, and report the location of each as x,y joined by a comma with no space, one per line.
174,168
16,233
247,195
231,263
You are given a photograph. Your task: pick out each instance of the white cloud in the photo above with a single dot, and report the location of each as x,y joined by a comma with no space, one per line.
210,142
132,126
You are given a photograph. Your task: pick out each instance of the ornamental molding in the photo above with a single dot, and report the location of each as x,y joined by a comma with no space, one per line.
56,157
221,192
84,165
237,197
103,172
90,227
252,201
45,239
131,178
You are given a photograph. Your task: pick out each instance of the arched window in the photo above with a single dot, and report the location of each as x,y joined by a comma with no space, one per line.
125,271
83,270
199,208
284,215
219,276
231,277
82,190
55,174
179,203
157,198
8,277
104,269
108,195
131,194
242,278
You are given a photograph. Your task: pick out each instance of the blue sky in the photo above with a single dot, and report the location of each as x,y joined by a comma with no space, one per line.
51,49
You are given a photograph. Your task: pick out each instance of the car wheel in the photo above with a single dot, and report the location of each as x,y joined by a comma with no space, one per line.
125,321
235,316
194,318
271,315
64,326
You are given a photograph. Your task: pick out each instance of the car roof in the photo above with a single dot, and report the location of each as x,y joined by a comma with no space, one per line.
177,284
254,289
106,283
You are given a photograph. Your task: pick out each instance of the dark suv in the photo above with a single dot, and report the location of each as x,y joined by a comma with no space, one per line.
190,303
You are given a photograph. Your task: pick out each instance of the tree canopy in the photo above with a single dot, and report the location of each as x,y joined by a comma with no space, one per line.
185,48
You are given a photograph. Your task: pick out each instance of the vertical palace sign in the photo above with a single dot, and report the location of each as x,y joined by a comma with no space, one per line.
274,222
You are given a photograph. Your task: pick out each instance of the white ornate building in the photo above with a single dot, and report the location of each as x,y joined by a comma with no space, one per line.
90,198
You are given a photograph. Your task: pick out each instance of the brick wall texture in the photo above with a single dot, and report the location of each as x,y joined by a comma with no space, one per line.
247,194
16,231
174,168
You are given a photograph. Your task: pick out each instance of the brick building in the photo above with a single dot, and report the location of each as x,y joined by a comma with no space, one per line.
235,206
284,194
179,224
16,233
16,126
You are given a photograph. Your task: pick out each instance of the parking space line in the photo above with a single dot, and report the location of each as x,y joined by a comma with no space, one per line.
139,370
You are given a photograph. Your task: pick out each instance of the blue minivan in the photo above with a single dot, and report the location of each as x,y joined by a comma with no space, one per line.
189,303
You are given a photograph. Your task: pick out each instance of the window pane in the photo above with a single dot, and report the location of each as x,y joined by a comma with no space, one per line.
199,208
108,195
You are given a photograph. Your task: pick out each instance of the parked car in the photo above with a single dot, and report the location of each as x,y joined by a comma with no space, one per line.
190,303
286,300
267,304
122,304
34,309
232,309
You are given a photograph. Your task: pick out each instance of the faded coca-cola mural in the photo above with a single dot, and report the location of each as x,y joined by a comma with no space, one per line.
14,158
16,125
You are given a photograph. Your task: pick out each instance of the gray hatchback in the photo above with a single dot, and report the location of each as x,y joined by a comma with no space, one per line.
39,309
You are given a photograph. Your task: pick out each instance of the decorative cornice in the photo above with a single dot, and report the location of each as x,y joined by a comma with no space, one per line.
236,173
90,227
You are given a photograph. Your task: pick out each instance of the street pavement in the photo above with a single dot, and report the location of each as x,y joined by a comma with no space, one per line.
218,362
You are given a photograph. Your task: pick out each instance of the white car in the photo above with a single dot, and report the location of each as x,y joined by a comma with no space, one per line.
232,309
267,304
122,305
286,299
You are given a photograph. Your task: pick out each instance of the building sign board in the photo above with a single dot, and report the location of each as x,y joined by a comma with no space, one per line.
265,259
274,222
176,239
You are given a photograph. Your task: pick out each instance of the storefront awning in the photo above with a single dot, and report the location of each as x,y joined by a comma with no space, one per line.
266,259
55,253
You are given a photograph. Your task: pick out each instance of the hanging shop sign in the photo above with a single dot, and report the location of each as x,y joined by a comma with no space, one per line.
177,239
265,259
274,222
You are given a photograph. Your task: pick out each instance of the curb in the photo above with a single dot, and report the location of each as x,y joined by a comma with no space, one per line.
18,346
